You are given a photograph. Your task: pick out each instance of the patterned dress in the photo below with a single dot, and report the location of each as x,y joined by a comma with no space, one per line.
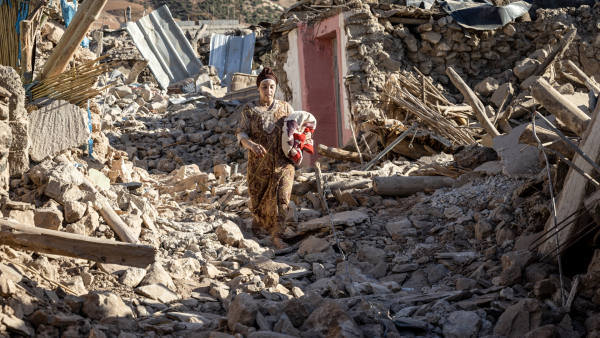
270,178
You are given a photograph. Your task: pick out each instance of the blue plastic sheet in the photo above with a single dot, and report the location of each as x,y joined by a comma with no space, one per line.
68,12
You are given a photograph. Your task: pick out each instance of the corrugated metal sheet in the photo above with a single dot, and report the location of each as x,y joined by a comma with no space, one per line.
232,54
160,40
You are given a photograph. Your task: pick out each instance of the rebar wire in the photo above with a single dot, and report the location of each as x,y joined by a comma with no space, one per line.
572,243
562,286
572,240
577,213
327,191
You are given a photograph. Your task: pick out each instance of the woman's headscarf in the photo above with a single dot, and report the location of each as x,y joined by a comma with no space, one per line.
266,74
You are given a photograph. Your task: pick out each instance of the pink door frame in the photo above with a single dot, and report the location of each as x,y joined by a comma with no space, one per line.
315,59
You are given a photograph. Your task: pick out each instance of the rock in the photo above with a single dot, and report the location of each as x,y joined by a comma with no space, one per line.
134,222
544,288
432,37
184,267
132,277
405,268
372,255
16,325
271,279
266,334
56,127
122,91
379,270
521,258
76,284
74,211
165,165
519,319
48,218
464,284
510,276
222,170
313,245
462,324
403,228
330,319
229,233
409,323
157,292
526,85
99,305
7,287
74,302
158,275
483,229
548,331
346,218
438,273
242,310
55,34
99,179
525,68
298,311
503,235
474,156
498,95
487,86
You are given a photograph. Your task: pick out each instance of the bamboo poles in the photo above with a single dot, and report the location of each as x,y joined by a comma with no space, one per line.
427,112
9,41
75,85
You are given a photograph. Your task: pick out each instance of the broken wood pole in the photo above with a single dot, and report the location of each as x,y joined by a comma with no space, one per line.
320,183
388,148
341,154
80,29
575,186
566,111
589,83
474,102
546,136
356,144
403,186
26,237
556,53
26,39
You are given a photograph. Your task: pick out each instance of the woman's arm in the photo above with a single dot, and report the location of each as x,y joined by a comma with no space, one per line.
244,140
256,148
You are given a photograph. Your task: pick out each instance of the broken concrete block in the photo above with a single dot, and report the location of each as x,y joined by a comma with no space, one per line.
525,68
56,127
487,86
99,179
229,233
48,218
500,92
99,305
222,170
74,211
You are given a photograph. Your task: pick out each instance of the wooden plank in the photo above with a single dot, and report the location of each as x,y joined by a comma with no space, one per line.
574,190
341,154
473,101
26,237
566,111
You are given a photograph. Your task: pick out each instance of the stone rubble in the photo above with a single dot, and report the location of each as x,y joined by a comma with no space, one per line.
452,263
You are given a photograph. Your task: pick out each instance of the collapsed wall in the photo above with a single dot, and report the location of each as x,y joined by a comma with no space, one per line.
378,48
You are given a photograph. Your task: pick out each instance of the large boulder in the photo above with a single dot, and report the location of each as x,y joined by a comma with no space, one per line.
462,324
331,320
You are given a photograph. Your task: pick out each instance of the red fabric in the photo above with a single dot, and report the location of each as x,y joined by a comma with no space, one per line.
300,137
308,148
296,157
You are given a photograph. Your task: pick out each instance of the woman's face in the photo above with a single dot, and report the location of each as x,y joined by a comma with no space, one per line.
267,90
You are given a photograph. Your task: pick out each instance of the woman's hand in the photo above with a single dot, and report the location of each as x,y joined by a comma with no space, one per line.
258,150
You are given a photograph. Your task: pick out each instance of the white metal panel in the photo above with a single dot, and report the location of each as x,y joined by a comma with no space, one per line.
231,54
160,40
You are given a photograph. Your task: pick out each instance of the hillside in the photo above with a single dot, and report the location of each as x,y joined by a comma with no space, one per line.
247,11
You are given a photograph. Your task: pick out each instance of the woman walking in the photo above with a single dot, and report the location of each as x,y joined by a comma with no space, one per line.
270,171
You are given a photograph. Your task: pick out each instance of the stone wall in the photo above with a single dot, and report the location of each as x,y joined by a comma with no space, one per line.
15,117
378,49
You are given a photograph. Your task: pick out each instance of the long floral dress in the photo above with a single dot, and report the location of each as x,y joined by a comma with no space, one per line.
271,177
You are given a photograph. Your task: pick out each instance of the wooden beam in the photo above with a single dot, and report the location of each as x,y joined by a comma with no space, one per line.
474,102
80,30
546,136
557,53
581,76
26,38
565,110
197,37
407,21
403,186
340,154
54,242
575,186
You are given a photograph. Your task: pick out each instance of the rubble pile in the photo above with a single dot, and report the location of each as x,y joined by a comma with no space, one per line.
436,239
